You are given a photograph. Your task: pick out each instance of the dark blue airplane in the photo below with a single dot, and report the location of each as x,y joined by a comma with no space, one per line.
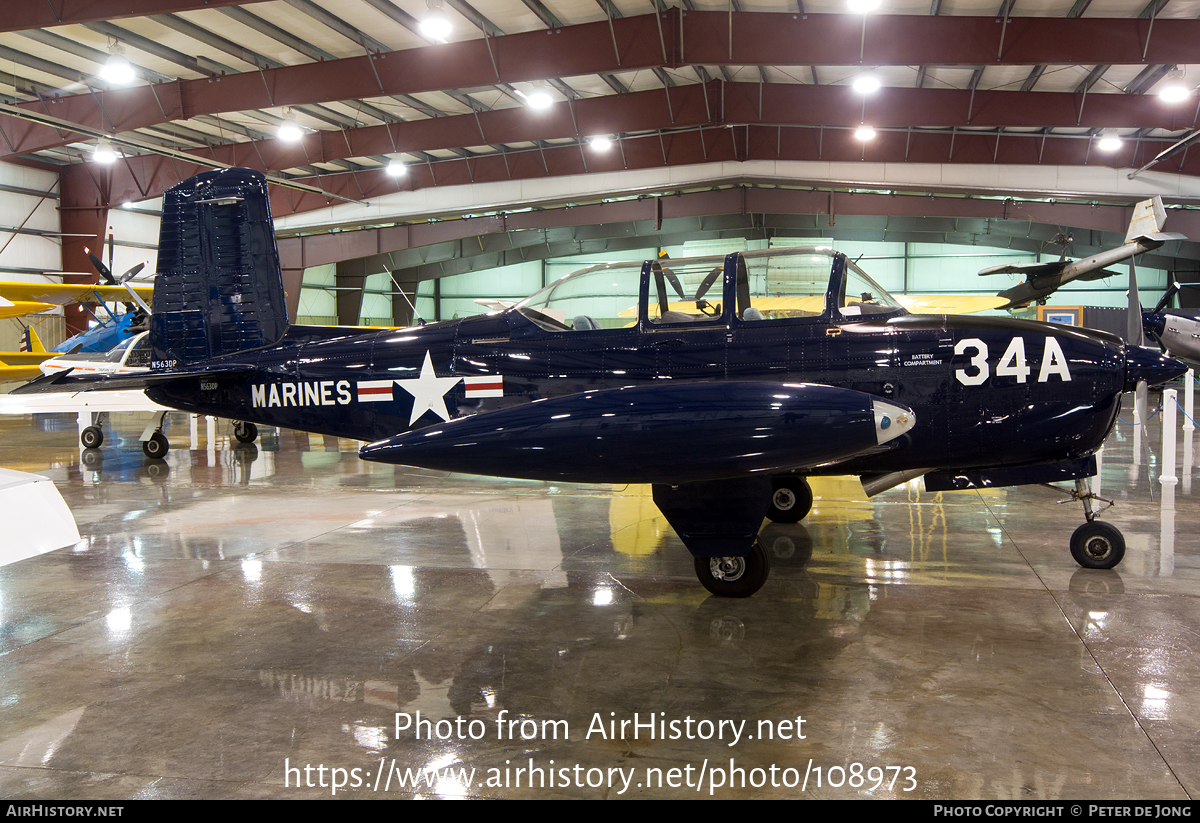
723,382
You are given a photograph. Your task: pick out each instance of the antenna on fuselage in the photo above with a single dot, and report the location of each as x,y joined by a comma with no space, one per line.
417,318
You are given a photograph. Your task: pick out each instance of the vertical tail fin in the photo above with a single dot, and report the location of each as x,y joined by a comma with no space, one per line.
31,342
218,289
1148,218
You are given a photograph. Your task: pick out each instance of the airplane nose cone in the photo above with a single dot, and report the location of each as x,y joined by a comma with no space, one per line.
1146,364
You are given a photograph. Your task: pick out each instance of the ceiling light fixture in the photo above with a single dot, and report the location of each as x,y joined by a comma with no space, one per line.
104,153
396,169
435,25
865,84
862,6
600,142
539,98
864,133
117,69
1174,89
289,129
1109,141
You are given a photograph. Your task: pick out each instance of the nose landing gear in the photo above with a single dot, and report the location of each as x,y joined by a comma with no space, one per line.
1095,545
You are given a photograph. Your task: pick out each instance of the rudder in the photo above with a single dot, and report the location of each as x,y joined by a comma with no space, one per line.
218,289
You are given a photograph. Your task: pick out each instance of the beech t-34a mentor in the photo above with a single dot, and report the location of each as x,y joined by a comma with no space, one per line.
721,381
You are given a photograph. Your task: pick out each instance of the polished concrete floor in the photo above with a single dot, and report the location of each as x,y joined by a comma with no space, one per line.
238,621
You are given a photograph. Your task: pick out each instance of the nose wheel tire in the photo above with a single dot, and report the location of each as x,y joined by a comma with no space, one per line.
734,576
1097,545
91,437
156,447
791,500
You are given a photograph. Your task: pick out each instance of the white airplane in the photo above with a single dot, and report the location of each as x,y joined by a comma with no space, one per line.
128,357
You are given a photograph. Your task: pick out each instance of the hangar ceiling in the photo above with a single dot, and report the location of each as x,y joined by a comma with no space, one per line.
961,83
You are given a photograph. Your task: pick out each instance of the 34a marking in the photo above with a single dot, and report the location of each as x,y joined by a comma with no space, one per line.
1012,363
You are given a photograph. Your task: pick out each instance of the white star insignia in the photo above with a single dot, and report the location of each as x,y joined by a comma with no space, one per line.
428,391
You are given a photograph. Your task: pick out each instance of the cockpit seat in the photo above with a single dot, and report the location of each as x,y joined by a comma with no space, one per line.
752,313
584,323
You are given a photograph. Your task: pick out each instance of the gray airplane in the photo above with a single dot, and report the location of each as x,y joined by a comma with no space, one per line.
1175,330
1043,279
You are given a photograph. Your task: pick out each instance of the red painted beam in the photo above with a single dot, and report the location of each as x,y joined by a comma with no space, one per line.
20,15
83,210
759,39
148,176
726,104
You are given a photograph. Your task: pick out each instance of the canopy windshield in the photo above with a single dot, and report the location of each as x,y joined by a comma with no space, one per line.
807,282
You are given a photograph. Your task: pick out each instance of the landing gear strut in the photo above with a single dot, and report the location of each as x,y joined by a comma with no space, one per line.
1095,545
154,443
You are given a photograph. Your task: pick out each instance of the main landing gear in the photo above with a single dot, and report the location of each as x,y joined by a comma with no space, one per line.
734,576
154,443
718,522
1095,545
791,499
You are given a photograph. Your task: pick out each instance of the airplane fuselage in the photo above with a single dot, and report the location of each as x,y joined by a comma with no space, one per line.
985,391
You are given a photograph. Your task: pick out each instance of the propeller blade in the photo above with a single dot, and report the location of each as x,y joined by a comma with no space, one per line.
100,267
132,272
706,284
1133,327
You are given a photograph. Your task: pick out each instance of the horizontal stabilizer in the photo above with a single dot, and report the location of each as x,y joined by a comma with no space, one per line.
1027,269
1155,239
657,434
65,381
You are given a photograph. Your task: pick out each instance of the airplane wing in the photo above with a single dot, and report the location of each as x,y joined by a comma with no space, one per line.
1027,269
20,298
24,358
12,372
126,400
949,303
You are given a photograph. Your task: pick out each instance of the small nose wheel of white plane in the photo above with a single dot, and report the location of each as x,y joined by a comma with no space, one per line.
91,437
734,576
791,499
1095,545
156,447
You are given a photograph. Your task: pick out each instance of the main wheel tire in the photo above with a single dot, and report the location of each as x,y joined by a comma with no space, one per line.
791,500
245,432
734,576
91,437
156,447
1097,545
